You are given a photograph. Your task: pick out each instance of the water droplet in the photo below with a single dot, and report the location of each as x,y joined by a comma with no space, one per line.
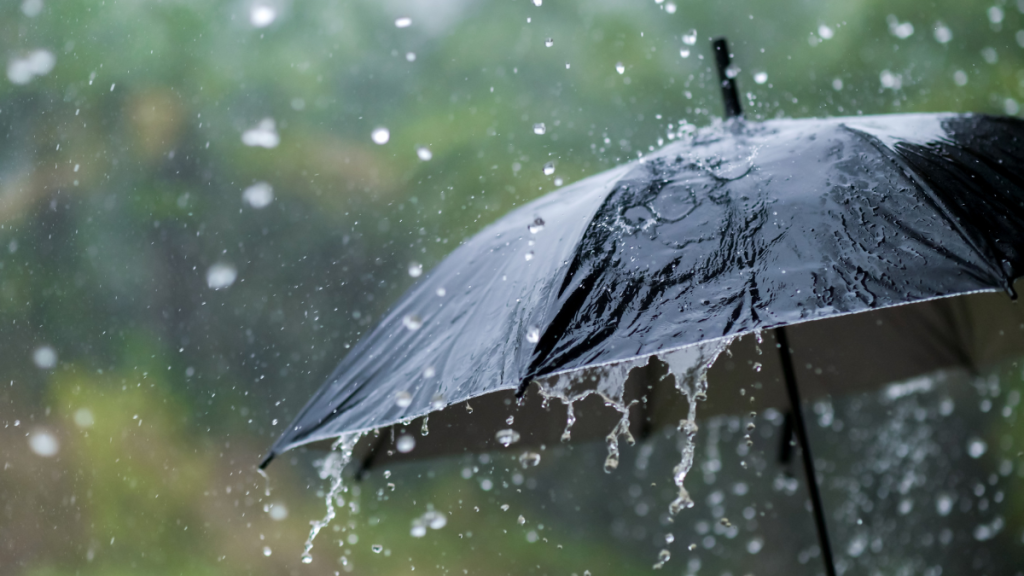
380,135
267,551
558,181
539,128
418,530
263,135
825,32
32,8
23,69
83,418
538,2
437,402
424,153
403,22
549,43
307,559
510,420
669,538
837,84
507,437
960,78
690,38
684,52
533,334
536,226
377,548
415,269
43,443
527,459
757,366
412,322
670,8
403,399
901,30
259,195
944,504
504,507
45,357
277,511
620,68
760,77
521,520
528,255
411,57
549,168
976,447
441,292
663,557
995,14
405,443
261,16
221,275
732,71
942,33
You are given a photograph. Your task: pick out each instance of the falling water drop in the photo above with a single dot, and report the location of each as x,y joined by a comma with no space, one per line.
405,443
684,52
549,43
377,548
380,135
507,437
549,168
528,459
539,128
267,551
412,322
415,269
620,68
663,557
424,153
533,334
403,22
760,77
690,38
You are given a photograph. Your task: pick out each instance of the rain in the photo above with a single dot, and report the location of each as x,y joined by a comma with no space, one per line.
210,211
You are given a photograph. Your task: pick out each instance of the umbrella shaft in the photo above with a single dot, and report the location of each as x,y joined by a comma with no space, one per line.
800,427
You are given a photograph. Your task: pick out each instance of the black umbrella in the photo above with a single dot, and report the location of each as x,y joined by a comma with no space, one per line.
735,229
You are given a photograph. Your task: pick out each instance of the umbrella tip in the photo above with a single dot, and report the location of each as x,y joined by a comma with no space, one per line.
266,460
727,78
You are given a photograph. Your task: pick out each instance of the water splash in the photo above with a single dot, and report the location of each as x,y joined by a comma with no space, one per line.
332,467
689,368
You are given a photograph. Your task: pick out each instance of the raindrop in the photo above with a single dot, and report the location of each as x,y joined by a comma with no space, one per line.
942,33
403,399
976,447
221,275
277,511
412,322
732,71
507,437
837,84
549,43
685,53
263,135
825,32
504,507
755,545
690,38
267,551
995,14
990,55
620,68
83,418
760,77
45,357
521,520
527,459
528,255
32,8
429,372
35,63
380,135
261,16
549,168
944,504
536,226
259,195
757,366
43,443
441,292
669,538
533,334
510,420
405,443
960,78
403,22
663,557
670,8
558,181
377,548
418,530
410,56
415,269
424,153
901,30
539,128
538,2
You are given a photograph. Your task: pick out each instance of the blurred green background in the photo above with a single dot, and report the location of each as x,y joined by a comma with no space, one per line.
196,221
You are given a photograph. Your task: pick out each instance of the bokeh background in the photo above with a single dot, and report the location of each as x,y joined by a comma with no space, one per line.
200,213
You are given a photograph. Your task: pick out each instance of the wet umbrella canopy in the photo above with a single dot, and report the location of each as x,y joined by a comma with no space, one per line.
733,229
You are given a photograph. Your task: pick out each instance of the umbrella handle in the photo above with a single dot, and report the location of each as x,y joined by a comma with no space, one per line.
800,427
729,95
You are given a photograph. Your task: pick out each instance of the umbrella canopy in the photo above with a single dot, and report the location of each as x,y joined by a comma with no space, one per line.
735,229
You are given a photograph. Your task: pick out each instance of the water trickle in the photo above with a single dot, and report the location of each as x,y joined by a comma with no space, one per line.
266,480
507,437
688,366
332,467
424,430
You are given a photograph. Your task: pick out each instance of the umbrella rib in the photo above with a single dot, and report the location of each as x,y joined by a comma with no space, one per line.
800,427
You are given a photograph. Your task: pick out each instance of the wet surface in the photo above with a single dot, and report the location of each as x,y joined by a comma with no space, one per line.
741,228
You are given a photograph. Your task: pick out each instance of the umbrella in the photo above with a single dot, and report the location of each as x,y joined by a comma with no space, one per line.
731,230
